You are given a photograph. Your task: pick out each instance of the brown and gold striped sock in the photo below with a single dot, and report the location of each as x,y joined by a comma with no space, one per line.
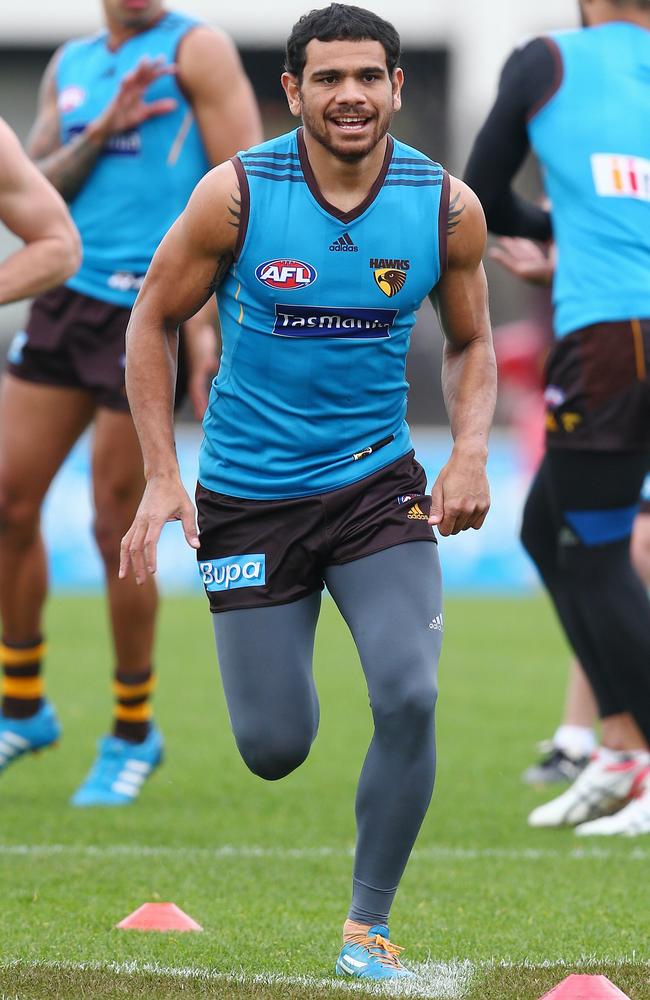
22,684
132,714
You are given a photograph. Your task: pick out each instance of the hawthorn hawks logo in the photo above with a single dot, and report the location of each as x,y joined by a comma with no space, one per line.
389,274
390,280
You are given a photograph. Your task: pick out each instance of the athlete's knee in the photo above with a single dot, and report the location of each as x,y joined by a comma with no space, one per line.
274,755
407,709
108,535
115,510
19,517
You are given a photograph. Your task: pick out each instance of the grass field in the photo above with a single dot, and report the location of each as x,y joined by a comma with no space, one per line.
488,908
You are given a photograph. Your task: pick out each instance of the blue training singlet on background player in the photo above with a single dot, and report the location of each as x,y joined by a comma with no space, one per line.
316,316
143,177
599,190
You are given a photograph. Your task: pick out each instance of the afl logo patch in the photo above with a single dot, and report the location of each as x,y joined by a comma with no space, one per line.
390,280
71,98
286,274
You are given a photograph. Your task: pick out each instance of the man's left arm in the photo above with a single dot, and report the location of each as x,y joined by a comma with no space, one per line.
461,495
212,76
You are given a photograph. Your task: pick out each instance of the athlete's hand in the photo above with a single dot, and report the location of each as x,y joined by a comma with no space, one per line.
128,109
460,498
525,259
163,500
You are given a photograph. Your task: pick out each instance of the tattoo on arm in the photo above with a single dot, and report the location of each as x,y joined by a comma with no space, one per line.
456,209
69,167
234,211
225,260
44,138
223,266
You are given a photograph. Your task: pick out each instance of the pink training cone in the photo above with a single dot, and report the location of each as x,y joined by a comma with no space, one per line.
585,988
158,917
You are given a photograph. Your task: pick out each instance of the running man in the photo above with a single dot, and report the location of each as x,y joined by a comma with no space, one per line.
130,119
580,99
307,473
36,214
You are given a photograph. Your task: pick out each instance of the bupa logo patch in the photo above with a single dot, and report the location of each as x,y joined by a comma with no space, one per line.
234,572
286,274
16,348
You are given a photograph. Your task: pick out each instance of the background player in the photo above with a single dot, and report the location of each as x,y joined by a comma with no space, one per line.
129,120
581,100
574,740
307,423
36,213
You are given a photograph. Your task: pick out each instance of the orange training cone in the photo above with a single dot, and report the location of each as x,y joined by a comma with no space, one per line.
158,917
585,988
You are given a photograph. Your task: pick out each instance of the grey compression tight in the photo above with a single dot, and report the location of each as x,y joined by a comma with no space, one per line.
392,603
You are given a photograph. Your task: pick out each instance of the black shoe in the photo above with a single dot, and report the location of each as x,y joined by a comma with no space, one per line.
554,767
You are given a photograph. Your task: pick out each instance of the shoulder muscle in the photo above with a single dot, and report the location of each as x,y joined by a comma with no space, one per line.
466,227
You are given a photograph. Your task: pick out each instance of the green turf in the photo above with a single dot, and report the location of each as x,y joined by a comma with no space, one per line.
482,886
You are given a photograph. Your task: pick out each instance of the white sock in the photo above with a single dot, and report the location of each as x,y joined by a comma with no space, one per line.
575,741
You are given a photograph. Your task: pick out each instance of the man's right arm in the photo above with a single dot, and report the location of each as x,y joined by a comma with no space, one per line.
67,166
34,212
189,264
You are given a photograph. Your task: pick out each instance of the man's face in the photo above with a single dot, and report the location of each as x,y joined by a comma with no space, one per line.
346,97
133,13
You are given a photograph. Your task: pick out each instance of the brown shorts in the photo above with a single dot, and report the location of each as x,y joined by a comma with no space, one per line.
77,342
256,553
598,388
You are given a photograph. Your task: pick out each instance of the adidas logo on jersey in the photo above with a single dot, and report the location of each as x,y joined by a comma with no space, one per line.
436,625
344,244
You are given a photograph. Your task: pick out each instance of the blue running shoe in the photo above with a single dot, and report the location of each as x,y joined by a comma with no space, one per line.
372,956
119,771
20,736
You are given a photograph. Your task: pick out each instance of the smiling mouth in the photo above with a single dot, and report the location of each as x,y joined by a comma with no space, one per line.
350,123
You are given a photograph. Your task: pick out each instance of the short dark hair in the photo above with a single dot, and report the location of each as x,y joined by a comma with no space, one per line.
643,4
340,22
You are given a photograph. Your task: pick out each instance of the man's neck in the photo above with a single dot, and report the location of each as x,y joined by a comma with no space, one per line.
118,33
610,13
344,184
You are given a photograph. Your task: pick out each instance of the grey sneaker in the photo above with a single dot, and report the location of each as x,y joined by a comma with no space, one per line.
554,767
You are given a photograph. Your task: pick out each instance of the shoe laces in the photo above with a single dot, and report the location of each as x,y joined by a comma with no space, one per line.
380,948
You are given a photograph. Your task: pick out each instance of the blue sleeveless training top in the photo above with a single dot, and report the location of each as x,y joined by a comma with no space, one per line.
593,141
316,315
143,177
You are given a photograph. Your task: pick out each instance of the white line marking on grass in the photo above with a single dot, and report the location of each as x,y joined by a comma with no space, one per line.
434,980
253,852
